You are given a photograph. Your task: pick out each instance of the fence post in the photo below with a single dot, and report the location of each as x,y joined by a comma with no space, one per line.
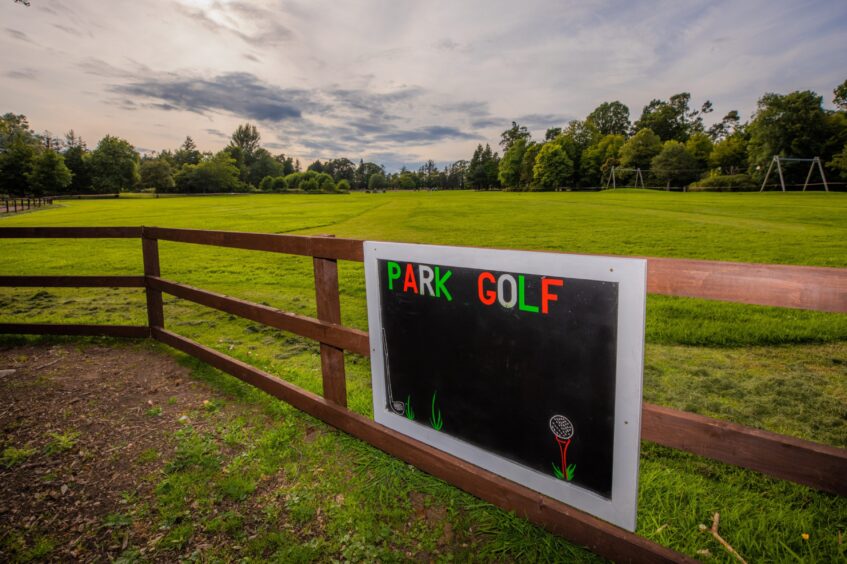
329,309
150,251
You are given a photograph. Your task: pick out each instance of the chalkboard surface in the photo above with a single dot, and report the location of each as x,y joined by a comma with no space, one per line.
518,360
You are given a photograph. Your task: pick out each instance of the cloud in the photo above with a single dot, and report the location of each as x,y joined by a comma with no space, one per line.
22,74
426,135
239,93
252,24
19,35
216,132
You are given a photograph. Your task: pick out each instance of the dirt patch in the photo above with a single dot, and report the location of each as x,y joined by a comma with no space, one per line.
82,431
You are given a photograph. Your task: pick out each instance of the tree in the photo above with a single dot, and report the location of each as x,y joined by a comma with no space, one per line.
528,164
839,163
326,183
77,159
187,153
513,134
840,99
340,169
309,185
114,165
673,119
793,125
279,184
264,164
727,126
343,185
246,138
599,158
730,155
675,165
509,169
317,166
552,167
377,182
576,138
16,160
218,173
699,146
640,149
158,175
610,118
49,175
550,134
456,174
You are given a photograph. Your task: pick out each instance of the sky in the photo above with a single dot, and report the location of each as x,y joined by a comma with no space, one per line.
396,82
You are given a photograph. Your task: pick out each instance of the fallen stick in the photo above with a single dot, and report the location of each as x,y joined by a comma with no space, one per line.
714,530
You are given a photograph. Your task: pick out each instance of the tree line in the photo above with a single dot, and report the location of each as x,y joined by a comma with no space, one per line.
669,143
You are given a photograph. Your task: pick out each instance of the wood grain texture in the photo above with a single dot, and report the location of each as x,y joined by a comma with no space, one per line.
598,536
329,310
72,281
133,331
804,462
324,247
339,336
155,306
69,232
802,287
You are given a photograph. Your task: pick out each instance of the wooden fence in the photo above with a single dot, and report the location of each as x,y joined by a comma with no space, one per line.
817,288
14,205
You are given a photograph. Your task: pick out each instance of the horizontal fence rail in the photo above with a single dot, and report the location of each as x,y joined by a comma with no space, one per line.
73,281
804,462
339,336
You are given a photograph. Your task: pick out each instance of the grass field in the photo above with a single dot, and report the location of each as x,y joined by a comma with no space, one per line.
778,369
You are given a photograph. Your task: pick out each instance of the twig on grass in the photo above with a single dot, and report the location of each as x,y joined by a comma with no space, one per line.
714,531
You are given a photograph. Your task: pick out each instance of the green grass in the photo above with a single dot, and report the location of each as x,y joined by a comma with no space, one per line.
777,369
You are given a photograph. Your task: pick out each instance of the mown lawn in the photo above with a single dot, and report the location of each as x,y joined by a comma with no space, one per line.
778,369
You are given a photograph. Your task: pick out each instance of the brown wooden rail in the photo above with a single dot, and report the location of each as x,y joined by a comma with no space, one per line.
805,462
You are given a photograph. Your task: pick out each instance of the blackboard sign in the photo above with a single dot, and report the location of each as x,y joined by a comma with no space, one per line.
526,364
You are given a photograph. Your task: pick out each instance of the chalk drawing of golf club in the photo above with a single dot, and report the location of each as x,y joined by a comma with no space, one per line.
397,407
562,429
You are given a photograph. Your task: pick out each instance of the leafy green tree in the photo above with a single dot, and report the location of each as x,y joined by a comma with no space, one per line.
610,118
730,155
293,180
16,161
600,157
49,175
326,182
406,181
513,134
552,167
114,166
730,123
675,165
267,184
187,153
77,159
377,182
343,185
218,173
640,149
158,175
551,133
673,119
264,164
700,146
528,164
309,185
246,138
340,169
840,99
456,174
839,163
279,184
509,168
793,125
575,139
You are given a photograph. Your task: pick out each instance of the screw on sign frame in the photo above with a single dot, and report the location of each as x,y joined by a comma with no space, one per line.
562,429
